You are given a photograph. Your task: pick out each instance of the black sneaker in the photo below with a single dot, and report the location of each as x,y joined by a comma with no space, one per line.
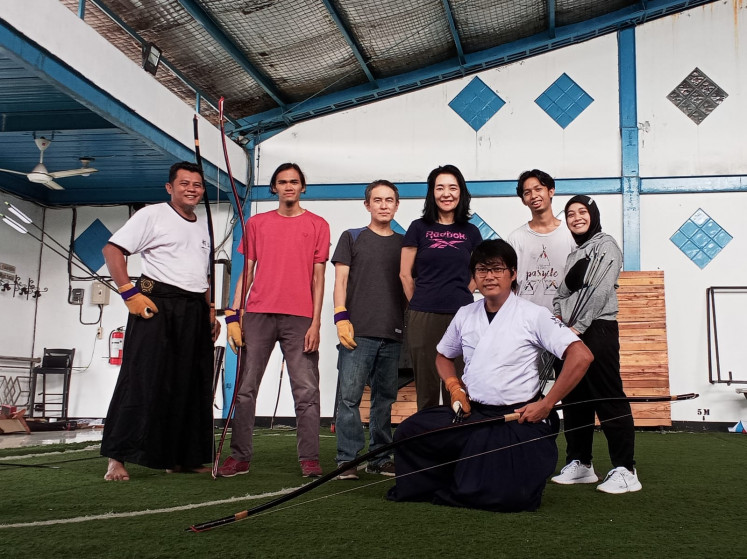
383,468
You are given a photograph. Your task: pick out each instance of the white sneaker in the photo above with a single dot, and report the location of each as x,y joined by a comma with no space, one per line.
576,472
620,480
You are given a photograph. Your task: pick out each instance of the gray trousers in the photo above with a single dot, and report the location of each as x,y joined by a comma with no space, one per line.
424,331
261,331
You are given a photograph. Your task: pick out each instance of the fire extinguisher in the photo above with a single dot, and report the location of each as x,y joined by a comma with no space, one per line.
116,343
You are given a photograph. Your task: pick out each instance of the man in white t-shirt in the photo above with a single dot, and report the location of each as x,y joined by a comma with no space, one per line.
160,415
542,244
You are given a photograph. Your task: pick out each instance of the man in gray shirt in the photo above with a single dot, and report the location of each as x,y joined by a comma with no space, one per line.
369,315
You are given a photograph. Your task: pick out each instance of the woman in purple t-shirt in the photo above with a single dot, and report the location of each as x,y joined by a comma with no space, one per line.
435,275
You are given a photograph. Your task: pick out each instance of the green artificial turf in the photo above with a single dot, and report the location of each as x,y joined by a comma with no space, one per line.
692,505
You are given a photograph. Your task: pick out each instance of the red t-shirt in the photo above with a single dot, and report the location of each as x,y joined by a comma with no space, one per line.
285,250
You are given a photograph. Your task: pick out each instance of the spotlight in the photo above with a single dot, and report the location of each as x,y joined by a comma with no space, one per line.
151,58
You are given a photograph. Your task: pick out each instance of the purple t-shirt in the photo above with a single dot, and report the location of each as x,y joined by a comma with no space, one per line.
441,265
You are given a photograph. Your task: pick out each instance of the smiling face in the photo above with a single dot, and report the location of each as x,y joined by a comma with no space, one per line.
382,204
446,193
577,218
186,192
536,196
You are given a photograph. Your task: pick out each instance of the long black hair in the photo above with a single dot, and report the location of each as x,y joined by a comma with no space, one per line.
430,208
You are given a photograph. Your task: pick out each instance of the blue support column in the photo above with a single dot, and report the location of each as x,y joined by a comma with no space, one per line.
551,18
237,266
630,176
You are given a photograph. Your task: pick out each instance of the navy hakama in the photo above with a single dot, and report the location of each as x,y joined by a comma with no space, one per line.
500,467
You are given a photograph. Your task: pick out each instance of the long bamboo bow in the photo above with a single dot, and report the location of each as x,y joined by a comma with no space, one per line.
205,526
244,275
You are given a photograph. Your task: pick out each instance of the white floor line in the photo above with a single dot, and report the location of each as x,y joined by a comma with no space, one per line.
111,515
56,452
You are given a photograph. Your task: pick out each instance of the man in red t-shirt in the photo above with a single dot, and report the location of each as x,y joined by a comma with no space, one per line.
286,253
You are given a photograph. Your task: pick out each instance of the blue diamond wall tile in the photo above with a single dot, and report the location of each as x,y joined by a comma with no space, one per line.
486,230
476,104
564,100
397,228
89,243
700,238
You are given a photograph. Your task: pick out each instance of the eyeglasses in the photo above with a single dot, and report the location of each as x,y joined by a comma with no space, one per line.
482,272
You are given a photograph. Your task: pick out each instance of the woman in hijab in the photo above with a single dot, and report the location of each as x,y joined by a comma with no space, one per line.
587,302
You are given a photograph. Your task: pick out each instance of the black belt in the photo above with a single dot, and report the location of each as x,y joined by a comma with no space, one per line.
149,286
490,408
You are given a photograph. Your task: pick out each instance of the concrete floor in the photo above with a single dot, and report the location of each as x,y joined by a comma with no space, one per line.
19,440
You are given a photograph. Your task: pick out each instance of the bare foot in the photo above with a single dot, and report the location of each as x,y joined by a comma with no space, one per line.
116,471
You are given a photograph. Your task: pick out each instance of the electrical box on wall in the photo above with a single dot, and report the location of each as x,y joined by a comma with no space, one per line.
76,296
99,294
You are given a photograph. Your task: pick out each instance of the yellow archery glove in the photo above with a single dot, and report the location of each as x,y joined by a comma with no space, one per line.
345,331
136,302
234,335
459,398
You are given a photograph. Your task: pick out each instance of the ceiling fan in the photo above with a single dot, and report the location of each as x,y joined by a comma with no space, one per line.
40,175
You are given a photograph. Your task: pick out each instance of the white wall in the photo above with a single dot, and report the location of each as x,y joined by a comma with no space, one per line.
672,145
685,286
405,137
668,50
22,252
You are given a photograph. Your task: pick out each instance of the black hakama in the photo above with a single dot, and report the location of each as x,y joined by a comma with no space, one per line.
160,415
499,467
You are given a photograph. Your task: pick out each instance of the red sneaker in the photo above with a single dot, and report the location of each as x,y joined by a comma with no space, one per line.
232,467
310,468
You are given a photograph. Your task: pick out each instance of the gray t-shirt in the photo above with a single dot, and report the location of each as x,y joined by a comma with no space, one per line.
541,258
375,299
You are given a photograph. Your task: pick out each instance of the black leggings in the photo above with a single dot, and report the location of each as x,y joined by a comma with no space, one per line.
602,380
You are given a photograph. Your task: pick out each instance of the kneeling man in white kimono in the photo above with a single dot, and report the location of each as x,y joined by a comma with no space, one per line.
502,465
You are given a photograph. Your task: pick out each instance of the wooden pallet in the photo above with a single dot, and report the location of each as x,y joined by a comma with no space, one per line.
644,362
404,407
644,359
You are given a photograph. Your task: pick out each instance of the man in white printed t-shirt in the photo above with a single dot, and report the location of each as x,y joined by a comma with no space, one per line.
543,244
